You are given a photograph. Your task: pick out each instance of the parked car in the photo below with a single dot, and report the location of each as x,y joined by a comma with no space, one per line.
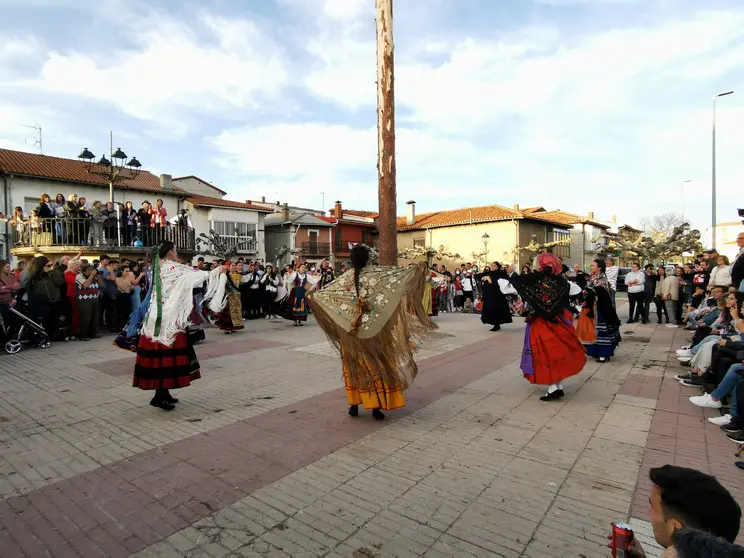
621,273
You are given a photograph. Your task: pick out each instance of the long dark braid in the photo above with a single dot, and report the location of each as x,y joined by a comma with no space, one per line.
359,257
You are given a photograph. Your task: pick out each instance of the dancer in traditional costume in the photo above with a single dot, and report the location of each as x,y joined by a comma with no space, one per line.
586,324
165,358
552,350
295,307
429,298
370,314
230,317
608,324
496,309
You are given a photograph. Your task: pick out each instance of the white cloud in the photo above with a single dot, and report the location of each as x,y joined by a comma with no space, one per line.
175,71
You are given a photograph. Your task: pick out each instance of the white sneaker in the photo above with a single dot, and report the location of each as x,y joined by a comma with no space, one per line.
685,348
684,359
684,353
720,421
705,401
672,326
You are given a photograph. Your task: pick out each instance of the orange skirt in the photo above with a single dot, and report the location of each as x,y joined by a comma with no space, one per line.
383,397
586,327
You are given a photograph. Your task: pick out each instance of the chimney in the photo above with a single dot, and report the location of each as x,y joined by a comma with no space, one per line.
263,199
166,182
338,211
614,219
285,212
411,213
516,207
590,215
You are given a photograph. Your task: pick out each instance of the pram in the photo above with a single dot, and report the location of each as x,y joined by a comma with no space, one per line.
18,329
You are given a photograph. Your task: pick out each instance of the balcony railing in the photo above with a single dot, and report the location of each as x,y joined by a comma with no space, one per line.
77,232
316,248
246,245
344,246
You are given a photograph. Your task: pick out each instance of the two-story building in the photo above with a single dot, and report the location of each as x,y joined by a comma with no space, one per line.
25,176
482,234
298,236
351,227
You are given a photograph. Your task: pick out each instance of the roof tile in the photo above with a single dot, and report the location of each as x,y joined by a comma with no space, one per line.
196,201
72,170
483,214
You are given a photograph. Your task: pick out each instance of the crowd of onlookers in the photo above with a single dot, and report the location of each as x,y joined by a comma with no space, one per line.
76,221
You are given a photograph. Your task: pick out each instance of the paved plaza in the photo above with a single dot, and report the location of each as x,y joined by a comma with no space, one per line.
261,459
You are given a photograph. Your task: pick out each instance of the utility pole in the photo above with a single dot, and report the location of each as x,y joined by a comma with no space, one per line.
386,185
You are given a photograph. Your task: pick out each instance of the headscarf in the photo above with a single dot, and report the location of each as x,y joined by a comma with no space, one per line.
549,260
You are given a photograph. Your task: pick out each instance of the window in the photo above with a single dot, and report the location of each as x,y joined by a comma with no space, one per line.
562,250
419,242
243,234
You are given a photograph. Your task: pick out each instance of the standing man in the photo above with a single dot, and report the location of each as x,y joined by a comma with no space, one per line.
635,281
611,273
649,290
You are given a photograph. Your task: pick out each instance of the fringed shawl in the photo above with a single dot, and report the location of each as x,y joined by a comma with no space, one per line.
374,330
546,294
172,299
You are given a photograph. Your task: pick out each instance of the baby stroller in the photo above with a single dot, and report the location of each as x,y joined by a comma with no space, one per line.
18,329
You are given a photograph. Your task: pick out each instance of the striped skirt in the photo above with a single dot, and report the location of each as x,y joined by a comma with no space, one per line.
608,338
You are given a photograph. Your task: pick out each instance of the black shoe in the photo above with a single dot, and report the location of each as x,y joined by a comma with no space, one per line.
170,399
737,437
552,396
658,322
603,359
496,328
739,464
682,377
378,415
631,321
735,425
644,321
354,411
162,404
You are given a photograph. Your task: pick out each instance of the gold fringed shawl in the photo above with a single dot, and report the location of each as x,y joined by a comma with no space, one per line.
375,329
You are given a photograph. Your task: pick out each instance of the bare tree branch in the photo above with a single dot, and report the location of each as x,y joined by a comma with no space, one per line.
660,227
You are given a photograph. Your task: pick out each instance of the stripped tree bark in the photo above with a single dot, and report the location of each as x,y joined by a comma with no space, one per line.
386,175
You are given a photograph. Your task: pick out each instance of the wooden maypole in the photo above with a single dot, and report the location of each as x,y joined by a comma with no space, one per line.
386,186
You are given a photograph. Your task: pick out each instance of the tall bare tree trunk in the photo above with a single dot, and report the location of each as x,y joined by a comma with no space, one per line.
387,221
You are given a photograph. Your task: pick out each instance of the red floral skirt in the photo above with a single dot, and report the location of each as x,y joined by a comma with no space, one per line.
161,367
557,352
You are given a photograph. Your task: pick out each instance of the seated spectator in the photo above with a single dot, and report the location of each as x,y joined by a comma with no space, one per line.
685,498
689,543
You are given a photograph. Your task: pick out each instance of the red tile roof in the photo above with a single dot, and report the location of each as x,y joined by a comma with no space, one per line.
206,201
567,218
360,213
467,215
71,170
334,221
221,191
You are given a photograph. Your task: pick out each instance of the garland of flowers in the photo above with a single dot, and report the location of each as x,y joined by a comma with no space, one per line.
428,252
534,247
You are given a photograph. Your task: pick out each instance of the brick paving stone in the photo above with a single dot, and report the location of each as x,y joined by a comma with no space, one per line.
266,463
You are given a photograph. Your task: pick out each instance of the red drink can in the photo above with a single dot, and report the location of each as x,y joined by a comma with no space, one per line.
622,536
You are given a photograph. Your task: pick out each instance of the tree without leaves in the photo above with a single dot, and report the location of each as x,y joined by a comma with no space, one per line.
660,227
680,240
214,245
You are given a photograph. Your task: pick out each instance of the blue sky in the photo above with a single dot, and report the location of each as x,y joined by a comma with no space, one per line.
595,105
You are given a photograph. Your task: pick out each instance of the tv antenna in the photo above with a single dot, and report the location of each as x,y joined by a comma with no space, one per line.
37,139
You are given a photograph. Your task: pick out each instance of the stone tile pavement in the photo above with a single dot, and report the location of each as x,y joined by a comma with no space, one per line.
261,459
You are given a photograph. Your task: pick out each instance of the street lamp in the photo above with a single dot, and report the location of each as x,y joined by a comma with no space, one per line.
116,171
713,177
485,238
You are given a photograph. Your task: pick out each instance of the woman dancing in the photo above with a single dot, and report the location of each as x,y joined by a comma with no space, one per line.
552,349
370,314
165,357
608,324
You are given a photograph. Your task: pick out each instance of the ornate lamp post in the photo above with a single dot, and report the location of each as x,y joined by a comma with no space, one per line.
117,171
485,238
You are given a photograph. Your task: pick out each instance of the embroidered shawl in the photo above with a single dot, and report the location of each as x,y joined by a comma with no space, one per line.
546,294
172,299
374,330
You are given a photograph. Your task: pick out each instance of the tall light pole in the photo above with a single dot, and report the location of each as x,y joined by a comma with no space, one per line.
485,238
713,177
116,169
386,173
683,196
